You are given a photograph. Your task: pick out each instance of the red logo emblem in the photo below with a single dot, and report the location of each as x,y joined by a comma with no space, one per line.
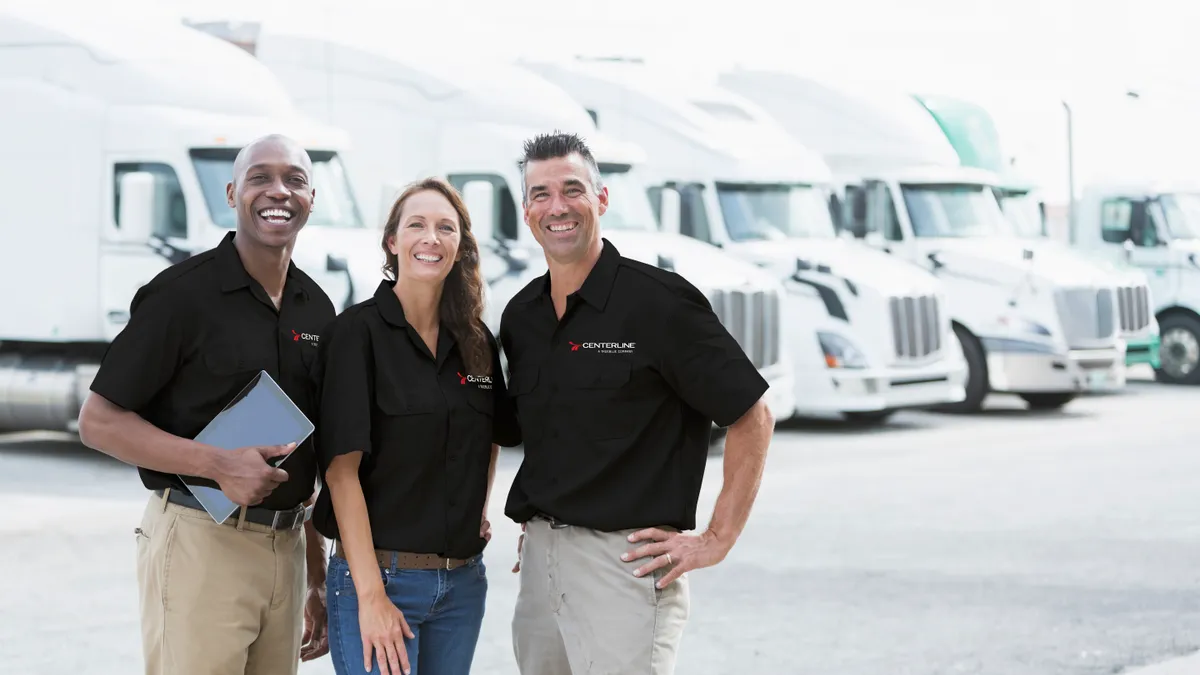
462,379
574,347
295,336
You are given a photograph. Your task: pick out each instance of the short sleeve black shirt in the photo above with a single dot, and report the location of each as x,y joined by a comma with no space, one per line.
617,399
424,424
197,334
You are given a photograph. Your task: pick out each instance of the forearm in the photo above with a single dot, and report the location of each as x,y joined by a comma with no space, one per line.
491,477
314,550
124,435
354,529
744,461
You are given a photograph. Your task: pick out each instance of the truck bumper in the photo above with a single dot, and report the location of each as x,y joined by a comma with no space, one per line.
1143,350
837,390
1016,371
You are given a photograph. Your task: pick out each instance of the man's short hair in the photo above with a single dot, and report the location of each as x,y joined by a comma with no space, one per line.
553,146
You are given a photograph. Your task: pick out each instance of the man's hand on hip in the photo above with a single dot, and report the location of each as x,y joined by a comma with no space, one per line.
683,552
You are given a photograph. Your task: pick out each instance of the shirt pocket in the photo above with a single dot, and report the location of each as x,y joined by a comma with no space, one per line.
398,401
601,401
481,401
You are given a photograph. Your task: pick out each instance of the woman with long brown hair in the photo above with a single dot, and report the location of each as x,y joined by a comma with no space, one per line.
412,411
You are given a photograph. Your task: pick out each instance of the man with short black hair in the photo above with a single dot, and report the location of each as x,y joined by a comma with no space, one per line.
228,598
618,371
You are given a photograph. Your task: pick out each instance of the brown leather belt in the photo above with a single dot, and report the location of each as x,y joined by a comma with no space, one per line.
408,561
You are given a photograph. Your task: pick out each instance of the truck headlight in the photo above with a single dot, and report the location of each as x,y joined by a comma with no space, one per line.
840,352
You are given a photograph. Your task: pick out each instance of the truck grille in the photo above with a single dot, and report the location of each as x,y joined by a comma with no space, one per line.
752,318
916,326
1133,305
1087,316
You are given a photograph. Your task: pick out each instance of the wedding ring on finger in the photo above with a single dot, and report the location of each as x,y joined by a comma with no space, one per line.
669,559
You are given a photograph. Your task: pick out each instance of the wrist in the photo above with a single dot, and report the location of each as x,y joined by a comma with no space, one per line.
210,462
722,540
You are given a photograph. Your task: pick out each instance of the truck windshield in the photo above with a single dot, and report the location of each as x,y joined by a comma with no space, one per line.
628,206
954,211
1183,214
1021,209
335,202
775,211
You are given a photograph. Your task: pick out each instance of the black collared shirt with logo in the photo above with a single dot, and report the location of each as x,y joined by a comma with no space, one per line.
424,424
616,401
198,333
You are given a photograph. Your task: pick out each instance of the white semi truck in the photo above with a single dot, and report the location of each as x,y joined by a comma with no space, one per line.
1035,321
868,334
122,139
412,117
1152,224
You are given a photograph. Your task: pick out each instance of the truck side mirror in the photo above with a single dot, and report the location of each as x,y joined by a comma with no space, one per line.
136,217
857,207
669,210
480,198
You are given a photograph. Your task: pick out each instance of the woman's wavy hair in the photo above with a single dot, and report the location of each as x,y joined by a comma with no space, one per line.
461,310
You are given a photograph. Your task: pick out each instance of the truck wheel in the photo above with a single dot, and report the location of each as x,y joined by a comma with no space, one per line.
977,375
1180,350
870,418
1052,401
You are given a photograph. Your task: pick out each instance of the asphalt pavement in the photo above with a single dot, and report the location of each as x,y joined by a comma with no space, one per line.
1004,543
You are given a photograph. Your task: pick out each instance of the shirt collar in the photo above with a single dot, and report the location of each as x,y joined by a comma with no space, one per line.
595,289
234,275
389,305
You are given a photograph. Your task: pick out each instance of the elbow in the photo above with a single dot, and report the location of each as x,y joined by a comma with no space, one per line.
91,422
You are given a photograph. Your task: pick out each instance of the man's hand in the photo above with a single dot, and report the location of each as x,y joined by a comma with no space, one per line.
684,552
315,643
244,475
520,543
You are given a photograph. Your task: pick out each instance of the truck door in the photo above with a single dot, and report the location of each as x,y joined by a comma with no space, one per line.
884,222
1132,230
146,231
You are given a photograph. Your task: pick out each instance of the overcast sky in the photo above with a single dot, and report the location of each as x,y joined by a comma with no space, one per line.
1019,57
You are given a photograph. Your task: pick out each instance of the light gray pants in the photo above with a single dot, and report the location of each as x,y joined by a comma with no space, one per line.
580,610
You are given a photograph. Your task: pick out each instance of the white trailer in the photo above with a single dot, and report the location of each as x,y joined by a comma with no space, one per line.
122,139
867,334
1153,224
1032,320
411,117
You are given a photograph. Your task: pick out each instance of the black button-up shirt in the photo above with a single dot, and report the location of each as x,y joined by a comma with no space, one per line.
424,424
197,334
616,401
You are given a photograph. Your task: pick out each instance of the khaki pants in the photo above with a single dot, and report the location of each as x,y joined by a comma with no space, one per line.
216,600
581,611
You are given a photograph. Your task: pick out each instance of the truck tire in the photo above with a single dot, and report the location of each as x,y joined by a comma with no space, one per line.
1179,353
1050,401
872,418
977,375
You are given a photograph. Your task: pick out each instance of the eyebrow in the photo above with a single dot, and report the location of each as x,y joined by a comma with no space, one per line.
570,182
261,166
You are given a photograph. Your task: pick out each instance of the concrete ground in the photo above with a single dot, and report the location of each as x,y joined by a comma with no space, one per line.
1005,543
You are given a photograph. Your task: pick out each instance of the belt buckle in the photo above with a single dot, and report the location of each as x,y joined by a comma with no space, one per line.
295,516
447,564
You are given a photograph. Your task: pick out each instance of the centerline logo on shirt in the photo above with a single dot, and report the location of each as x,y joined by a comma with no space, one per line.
310,338
604,347
480,381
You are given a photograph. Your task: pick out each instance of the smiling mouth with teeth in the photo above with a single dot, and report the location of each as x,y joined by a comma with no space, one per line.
563,227
428,257
276,216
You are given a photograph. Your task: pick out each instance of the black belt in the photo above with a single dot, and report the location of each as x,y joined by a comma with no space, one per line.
291,519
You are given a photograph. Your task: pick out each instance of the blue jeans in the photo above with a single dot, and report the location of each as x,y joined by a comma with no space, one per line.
444,609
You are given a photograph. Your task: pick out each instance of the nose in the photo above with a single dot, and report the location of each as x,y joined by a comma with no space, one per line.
558,205
277,190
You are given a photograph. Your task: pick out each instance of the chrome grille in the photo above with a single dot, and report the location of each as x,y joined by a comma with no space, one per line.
1087,316
752,318
1133,306
916,326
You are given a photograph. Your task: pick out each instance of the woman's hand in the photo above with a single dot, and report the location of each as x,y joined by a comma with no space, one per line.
383,629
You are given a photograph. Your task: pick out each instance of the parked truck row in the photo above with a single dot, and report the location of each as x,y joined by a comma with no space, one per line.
863,267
